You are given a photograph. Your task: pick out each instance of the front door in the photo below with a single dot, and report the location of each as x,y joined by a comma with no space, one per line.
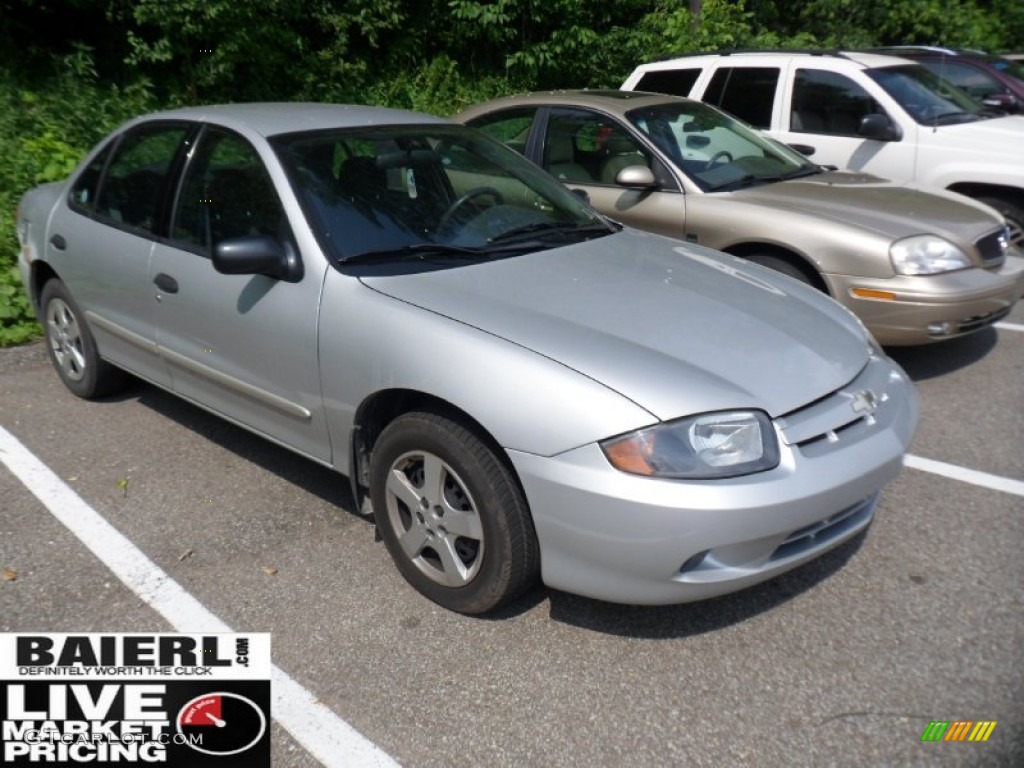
586,150
244,346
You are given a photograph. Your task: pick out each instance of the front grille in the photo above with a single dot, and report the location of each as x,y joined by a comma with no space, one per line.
968,324
842,417
992,248
818,533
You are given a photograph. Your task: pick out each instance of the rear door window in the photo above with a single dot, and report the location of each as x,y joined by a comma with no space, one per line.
674,82
135,182
511,128
746,92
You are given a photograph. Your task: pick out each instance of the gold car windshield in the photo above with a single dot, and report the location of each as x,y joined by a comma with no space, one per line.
715,150
428,191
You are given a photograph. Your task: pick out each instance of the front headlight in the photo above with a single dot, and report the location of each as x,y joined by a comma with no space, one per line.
926,255
711,445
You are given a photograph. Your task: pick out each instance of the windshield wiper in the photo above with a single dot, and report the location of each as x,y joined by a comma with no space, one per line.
530,231
746,180
800,173
947,118
418,252
750,179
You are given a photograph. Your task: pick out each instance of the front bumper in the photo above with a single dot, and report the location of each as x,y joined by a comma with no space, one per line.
930,308
623,538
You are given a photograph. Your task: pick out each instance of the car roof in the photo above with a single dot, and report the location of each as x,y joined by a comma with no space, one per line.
272,118
610,100
931,51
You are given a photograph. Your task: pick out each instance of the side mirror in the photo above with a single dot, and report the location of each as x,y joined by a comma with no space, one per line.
1004,102
582,195
639,176
879,127
804,149
257,255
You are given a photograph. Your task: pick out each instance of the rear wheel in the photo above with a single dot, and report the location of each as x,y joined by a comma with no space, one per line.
1014,215
72,348
451,514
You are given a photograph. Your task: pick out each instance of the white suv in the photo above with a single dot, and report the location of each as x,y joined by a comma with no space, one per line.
864,112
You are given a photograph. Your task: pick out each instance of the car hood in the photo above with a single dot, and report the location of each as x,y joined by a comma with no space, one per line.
675,328
867,202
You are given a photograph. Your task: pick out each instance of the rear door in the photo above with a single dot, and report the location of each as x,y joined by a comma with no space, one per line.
101,241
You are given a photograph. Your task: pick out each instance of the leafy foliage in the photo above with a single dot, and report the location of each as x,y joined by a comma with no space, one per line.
71,71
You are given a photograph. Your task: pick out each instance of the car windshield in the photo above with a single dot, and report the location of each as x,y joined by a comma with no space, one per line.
715,150
1010,68
926,97
428,192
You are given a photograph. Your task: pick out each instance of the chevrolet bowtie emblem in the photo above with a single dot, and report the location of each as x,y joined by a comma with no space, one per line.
864,401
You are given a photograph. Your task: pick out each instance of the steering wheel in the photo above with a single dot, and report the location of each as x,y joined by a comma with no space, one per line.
718,157
470,195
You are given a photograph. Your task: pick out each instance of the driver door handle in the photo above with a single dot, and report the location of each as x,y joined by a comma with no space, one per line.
166,283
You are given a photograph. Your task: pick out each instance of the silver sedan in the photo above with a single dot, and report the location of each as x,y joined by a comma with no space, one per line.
520,387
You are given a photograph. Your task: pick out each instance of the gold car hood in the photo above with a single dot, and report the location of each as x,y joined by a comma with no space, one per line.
867,202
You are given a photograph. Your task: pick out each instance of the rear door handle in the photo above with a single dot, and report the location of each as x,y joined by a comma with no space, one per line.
166,283
58,242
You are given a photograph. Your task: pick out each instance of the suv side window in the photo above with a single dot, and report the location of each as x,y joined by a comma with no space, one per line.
746,92
226,193
674,82
829,103
134,183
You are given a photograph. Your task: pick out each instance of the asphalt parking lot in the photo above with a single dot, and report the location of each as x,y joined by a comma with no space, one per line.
842,662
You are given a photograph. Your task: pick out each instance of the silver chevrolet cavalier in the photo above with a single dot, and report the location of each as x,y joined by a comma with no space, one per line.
521,387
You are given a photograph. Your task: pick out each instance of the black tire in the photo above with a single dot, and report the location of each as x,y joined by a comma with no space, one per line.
1014,215
72,348
786,267
470,548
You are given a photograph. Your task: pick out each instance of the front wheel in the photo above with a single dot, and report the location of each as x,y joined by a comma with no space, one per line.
451,514
72,348
782,265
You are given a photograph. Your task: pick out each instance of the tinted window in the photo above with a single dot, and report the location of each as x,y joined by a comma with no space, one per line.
676,82
747,92
134,183
227,193
828,103
511,128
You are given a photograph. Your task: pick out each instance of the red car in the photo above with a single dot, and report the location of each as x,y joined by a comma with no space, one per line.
995,81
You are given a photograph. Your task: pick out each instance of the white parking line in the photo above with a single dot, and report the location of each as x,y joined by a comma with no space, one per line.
973,476
322,733
1010,326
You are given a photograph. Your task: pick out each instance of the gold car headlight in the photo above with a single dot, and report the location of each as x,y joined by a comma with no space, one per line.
926,255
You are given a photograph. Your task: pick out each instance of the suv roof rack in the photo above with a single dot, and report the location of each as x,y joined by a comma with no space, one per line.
730,51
